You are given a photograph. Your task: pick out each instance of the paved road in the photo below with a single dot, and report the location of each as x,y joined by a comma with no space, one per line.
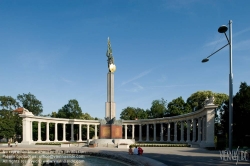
187,156
156,156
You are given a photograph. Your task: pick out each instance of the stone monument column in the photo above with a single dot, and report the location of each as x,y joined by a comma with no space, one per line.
110,104
110,129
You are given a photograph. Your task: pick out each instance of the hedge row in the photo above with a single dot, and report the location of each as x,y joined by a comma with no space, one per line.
160,145
49,143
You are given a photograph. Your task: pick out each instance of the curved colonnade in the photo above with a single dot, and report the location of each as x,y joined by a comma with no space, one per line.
198,127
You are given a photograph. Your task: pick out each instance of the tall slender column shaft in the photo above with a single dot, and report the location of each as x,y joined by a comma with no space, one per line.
31,131
95,131
169,132
64,132
161,132
194,130
204,128
126,128
182,132
147,139
87,131
175,131
133,131
56,139
140,132
72,132
199,129
188,131
154,132
39,132
47,132
80,132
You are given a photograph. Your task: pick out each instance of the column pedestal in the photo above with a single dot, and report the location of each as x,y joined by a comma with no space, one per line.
110,131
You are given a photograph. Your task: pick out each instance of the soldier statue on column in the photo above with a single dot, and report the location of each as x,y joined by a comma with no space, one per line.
111,63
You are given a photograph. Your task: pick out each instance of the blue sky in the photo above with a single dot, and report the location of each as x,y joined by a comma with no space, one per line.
56,50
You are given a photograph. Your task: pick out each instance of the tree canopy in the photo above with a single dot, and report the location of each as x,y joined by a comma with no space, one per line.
30,102
10,122
178,107
131,113
241,116
196,100
158,109
8,103
72,110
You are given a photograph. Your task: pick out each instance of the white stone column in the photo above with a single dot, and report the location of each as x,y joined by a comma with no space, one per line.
64,132
72,132
147,133
80,132
56,139
169,132
194,130
31,131
140,132
161,132
204,129
47,132
210,127
188,131
199,129
133,131
126,128
87,131
154,132
39,132
182,132
95,131
175,131
26,130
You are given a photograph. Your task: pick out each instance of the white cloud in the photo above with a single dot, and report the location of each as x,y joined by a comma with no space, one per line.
177,85
138,86
136,77
223,38
67,81
243,45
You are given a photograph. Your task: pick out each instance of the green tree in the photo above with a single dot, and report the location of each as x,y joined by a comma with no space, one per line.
10,122
128,114
131,113
7,125
196,100
30,102
8,103
72,110
178,107
141,113
158,109
241,116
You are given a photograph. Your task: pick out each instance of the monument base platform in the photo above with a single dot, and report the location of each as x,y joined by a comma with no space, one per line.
110,131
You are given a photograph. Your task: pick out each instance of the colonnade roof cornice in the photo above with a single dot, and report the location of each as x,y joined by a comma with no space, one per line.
59,120
192,115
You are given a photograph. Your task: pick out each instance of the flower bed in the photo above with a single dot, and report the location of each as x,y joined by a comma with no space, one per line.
48,143
160,145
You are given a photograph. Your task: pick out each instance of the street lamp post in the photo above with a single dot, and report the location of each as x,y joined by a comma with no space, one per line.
223,29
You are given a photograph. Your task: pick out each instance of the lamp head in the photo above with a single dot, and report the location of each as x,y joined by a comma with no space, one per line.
222,29
205,60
